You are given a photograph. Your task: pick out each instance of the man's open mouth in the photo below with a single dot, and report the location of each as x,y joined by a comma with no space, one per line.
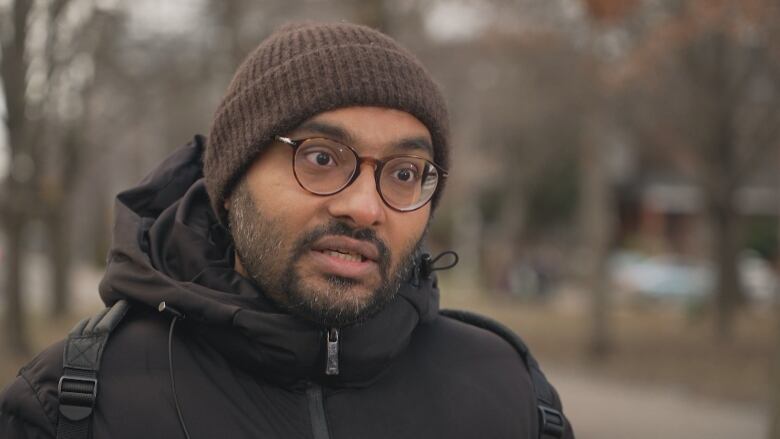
347,249
347,256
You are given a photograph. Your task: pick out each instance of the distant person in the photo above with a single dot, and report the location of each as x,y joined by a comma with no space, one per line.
270,281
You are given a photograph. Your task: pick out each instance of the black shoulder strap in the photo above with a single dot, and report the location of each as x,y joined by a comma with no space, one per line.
552,423
81,360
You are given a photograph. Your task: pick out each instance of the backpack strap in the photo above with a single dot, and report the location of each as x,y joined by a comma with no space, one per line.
78,384
552,423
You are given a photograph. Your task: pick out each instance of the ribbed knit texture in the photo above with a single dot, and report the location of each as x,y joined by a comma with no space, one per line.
305,69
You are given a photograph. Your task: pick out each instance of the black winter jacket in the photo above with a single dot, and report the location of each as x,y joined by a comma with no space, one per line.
244,369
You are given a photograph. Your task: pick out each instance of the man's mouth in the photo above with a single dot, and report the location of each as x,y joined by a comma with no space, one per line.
345,256
347,248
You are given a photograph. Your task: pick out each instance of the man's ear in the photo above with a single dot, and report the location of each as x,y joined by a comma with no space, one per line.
226,204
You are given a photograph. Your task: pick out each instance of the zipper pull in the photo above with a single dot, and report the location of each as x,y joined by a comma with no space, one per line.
332,348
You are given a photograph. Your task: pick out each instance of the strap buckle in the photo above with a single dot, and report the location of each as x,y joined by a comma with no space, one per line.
77,395
551,422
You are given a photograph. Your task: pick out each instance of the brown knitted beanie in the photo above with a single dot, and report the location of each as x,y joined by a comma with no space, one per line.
305,69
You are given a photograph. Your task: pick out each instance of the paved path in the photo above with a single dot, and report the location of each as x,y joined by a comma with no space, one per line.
603,409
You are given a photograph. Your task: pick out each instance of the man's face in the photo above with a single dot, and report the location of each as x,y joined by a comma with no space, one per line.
332,259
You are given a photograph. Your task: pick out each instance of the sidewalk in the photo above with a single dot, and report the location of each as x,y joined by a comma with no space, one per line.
603,409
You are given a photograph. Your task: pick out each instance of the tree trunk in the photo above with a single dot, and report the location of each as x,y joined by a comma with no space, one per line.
13,69
15,332
774,414
726,243
57,226
467,232
595,218
504,240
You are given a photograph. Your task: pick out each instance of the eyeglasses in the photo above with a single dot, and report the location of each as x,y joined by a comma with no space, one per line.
323,166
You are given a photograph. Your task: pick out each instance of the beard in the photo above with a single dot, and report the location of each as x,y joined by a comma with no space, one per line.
272,264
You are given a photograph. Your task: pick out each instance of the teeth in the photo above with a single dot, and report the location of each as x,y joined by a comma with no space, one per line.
352,257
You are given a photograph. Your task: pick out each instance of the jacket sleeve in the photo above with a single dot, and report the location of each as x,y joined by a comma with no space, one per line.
28,404
21,413
569,432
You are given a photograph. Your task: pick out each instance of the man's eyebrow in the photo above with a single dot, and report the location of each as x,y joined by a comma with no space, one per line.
328,130
338,133
415,144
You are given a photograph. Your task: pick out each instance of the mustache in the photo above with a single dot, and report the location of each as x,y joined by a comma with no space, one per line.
340,228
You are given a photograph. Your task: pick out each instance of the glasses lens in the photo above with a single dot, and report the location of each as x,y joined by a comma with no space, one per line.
323,166
407,182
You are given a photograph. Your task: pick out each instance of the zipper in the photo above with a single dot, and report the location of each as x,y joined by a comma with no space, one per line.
319,423
332,350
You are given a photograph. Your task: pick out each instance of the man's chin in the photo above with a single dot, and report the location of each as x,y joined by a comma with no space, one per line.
342,293
334,301
336,288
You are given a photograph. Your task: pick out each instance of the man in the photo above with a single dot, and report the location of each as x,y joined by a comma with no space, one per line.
288,248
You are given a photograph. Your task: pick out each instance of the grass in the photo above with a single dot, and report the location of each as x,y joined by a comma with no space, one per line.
651,343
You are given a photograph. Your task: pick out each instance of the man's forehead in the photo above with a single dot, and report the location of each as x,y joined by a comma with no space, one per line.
363,126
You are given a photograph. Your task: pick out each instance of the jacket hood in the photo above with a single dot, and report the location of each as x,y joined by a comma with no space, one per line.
169,246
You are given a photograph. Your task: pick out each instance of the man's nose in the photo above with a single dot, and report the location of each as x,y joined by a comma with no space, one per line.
359,203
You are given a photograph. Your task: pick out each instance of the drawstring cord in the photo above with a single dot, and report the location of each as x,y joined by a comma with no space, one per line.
428,265
176,316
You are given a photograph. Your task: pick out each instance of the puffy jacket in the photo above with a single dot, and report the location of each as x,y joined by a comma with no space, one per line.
244,369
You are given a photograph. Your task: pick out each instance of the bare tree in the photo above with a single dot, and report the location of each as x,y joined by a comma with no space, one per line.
66,147
44,84
17,189
709,78
596,216
597,209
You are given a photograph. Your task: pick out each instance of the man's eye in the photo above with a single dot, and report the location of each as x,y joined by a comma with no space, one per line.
406,174
320,158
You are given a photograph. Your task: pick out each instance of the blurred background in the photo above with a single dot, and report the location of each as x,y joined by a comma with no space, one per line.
614,197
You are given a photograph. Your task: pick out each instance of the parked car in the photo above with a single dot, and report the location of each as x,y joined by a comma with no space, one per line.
675,276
